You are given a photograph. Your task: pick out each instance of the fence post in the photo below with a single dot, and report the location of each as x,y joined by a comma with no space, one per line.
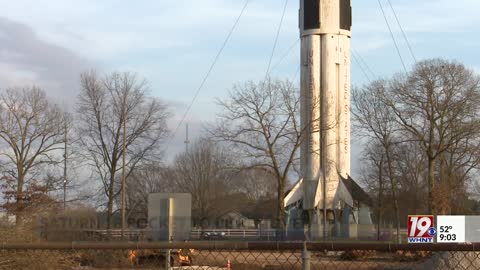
167,259
390,231
305,257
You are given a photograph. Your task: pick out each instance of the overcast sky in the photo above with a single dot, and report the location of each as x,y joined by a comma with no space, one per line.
173,42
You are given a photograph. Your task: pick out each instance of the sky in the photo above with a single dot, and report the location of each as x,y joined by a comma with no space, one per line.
172,43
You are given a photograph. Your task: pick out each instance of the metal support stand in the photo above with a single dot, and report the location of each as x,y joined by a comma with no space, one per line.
305,257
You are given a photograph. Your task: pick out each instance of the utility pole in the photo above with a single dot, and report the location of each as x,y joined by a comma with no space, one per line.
65,156
124,179
186,139
324,197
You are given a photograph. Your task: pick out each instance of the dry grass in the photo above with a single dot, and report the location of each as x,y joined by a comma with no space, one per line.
36,260
244,260
357,255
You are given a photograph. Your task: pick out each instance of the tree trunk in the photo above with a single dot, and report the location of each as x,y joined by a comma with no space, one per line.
397,213
379,202
393,184
443,201
415,194
19,197
280,208
431,184
110,201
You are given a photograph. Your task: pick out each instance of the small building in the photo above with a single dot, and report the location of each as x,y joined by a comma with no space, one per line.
234,220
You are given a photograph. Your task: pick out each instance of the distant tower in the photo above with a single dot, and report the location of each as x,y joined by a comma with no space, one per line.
187,142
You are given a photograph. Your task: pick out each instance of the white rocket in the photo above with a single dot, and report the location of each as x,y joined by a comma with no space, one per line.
325,105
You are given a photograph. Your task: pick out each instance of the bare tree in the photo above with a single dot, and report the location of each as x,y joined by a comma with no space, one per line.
31,130
104,105
373,177
256,184
377,121
261,123
149,178
77,187
204,171
455,167
411,172
438,104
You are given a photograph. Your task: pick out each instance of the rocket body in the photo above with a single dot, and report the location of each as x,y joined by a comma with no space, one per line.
325,100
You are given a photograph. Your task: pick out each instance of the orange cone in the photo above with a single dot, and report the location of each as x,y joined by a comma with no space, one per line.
229,266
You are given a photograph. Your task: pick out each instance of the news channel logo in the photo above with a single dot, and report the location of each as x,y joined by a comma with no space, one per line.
421,229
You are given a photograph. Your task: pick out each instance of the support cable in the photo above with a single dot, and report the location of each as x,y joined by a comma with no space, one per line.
362,68
403,32
393,37
285,54
209,71
296,74
364,63
275,42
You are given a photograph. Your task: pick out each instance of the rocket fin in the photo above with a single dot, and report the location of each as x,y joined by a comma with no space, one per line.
318,193
295,194
342,194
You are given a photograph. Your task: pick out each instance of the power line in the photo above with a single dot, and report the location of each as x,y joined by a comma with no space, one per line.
209,71
393,37
403,32
276,40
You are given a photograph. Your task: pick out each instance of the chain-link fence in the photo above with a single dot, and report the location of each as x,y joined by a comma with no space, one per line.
237,256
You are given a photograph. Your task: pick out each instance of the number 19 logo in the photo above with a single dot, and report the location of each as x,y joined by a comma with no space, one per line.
421,229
